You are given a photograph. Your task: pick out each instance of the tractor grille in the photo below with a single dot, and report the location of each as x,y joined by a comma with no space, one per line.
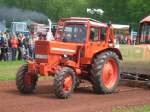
41,51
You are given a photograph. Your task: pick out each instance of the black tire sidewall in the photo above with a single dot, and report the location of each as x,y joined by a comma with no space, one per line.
59,82
24,88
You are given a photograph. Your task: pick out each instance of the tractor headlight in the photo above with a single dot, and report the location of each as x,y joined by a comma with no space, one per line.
65,56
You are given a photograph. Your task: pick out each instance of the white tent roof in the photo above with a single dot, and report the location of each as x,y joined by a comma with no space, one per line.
119,26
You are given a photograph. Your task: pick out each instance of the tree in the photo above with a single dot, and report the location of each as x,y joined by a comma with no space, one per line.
117,11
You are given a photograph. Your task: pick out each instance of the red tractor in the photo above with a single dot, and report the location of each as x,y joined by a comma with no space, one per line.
85,50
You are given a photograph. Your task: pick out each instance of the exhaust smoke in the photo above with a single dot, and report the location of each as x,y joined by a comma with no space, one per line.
16,14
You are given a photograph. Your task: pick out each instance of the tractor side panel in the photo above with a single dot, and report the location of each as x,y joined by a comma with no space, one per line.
91,50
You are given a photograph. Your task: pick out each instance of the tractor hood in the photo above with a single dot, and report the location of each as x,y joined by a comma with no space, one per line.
52,51
63,48
56,47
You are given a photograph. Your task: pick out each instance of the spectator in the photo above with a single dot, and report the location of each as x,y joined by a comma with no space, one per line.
14,46
4,50
30,47
9,48
20,47
128,41
1,39
26,46
1,44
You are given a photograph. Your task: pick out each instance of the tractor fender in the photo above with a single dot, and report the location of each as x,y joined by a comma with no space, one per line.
77,70
117,51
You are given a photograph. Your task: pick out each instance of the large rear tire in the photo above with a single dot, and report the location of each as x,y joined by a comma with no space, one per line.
105,72
64,83
25,81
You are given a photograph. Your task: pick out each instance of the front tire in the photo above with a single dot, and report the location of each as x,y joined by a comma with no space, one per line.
25,81
64,83
105,73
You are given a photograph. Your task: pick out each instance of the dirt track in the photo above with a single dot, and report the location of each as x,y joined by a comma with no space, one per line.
83,100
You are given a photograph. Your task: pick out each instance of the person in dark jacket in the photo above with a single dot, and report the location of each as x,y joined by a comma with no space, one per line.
4,47
1,45
20,47
4,51
26,47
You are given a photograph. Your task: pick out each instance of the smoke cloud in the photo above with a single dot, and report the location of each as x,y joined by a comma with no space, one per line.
16,14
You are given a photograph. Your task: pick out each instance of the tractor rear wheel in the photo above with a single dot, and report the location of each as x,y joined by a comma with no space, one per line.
105,73
64,82
25,81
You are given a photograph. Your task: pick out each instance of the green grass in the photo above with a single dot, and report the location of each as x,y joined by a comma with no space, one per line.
8,69
145,108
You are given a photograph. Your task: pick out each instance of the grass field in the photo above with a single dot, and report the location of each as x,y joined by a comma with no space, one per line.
8,69
145,108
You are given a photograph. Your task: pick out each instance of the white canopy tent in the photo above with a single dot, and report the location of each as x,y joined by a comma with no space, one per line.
121,32
119,26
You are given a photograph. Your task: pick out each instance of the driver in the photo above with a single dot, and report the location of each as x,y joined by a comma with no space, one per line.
67,37
79,36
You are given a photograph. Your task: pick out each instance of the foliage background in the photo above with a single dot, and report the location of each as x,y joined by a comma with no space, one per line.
116,11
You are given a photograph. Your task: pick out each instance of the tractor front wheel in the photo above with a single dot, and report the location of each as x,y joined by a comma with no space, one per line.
25,81
105,73
64,82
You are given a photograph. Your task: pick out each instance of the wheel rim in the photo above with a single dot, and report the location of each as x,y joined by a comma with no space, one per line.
110,73
67,83
27,79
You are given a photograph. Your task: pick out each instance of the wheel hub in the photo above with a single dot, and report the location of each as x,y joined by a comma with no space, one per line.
28,79
109,73
67,83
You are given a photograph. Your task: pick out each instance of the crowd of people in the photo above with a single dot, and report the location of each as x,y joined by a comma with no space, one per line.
16,47
126,39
